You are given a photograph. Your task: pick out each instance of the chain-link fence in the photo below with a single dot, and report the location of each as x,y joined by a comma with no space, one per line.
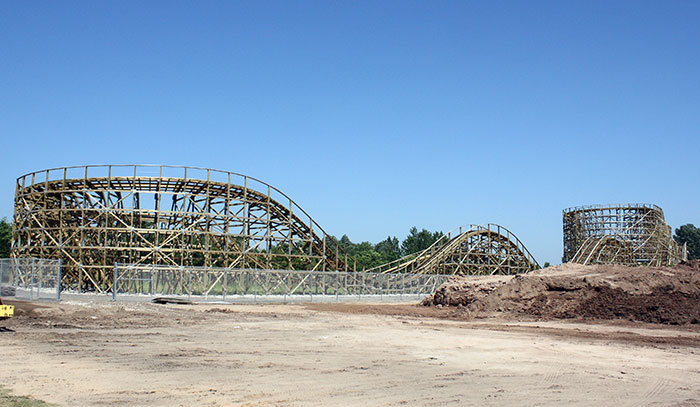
30,278
39,279
207,283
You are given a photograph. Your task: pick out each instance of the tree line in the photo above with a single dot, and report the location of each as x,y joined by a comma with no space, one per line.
370,255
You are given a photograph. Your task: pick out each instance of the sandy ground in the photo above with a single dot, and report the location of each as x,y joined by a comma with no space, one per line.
76,354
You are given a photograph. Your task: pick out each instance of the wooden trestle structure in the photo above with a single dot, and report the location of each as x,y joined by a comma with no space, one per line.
468,250
92,217
628,234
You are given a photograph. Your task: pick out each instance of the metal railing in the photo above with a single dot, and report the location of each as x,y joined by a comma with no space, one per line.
31,278
211,283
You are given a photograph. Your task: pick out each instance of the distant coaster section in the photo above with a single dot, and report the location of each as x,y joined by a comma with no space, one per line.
468,250
92,217
628,234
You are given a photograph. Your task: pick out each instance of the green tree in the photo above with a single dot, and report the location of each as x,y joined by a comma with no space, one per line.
345,244
389,249
370,255
5,238
690,235
365,255
417,241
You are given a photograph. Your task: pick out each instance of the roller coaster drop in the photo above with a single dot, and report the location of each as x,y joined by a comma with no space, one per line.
92,217
468,250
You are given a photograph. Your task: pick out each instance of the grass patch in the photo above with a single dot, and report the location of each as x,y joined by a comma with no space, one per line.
8,400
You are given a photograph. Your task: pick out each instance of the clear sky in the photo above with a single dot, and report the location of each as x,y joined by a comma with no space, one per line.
374,116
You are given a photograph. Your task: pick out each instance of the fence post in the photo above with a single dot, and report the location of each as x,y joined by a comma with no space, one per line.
285,287
32,283
7,267
189,284
41,277
182,284
114,282
223,289
381,286
311,290
58,281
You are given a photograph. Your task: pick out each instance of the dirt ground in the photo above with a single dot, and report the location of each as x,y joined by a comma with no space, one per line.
81,354
666,295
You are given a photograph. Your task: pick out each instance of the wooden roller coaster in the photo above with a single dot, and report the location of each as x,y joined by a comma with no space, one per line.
628,234
92,217
468,250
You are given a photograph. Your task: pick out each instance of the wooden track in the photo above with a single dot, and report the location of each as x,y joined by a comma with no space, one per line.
629,234
200,217
92,217
468,250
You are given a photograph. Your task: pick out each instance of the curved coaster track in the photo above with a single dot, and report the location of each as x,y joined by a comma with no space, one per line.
627,234
93,217
468,250
609,249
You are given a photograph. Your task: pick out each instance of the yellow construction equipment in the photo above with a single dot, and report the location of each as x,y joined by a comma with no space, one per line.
6,311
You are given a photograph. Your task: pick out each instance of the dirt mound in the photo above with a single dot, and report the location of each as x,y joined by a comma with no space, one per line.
647,294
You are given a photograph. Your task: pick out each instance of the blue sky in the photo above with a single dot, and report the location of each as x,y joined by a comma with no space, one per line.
374,116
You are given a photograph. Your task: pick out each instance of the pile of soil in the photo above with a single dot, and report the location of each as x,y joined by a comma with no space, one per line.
667,295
